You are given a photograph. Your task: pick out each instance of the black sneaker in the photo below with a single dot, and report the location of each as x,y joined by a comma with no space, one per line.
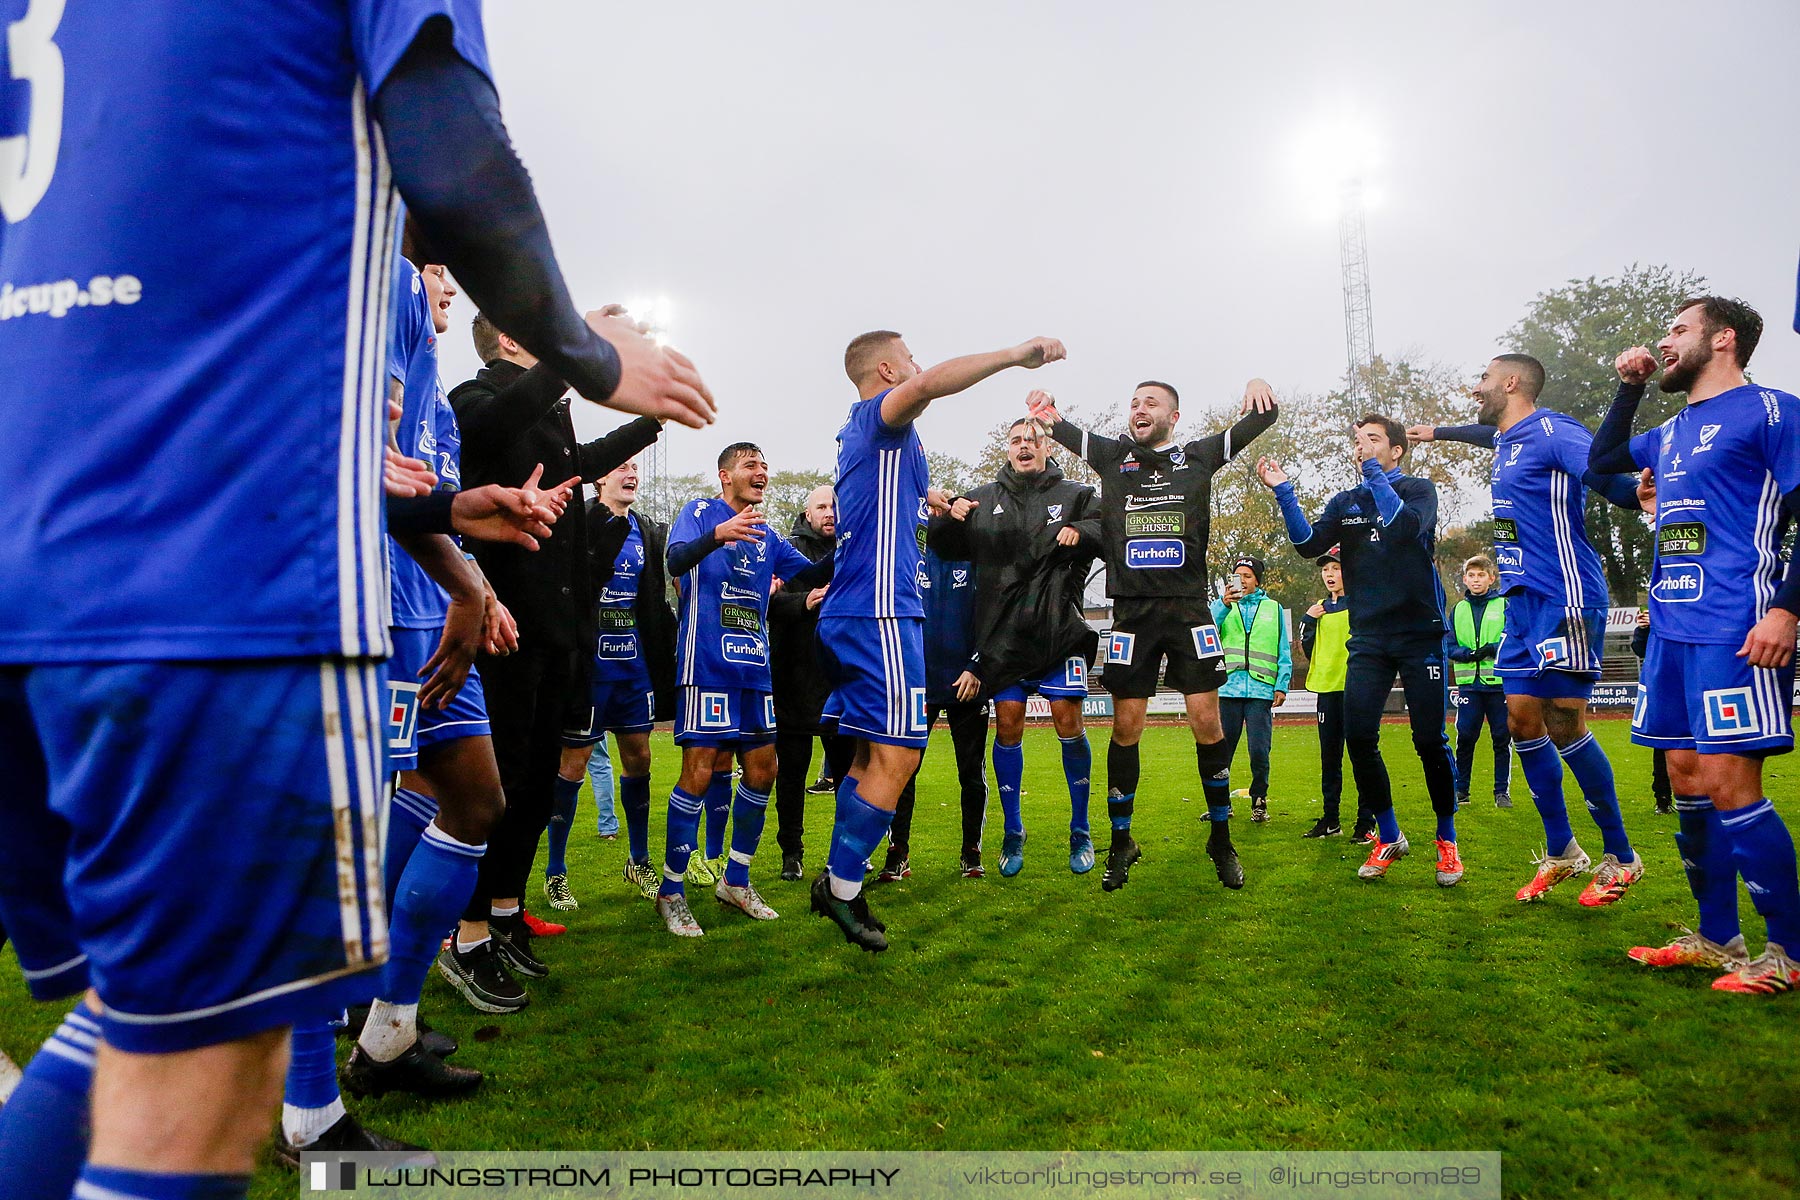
821,785
971,863
1323,829
1502,800
1462,800
1118,864
482,978
346,1136
1364,832
435,1041
897,867
512,937
1225,862
790,867
1664,806
417,1071
853,917
1259,809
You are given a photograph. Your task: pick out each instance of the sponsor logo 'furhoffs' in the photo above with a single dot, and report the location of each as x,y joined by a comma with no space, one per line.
1153,554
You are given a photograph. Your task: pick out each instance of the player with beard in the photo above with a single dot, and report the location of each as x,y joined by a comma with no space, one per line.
1718,677
1155,515
1030,534
1555,617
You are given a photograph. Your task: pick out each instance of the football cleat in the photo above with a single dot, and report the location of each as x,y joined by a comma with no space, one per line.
1081,851
1383,856
1612,880
852,916
556,891
700,872
1769,972
1449,864
1694,950
676,914
971,863
1552,870
416,1071
1226,865
346,1135
1118,863
540,927
745,900
644,877
1012,854
1322,828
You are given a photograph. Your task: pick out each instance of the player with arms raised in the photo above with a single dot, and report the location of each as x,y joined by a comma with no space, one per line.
871,626
1155,516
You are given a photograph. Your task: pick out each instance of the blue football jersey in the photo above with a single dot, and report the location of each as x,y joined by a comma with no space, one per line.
427,431
617,657
881,518
195,265
1722,466
724,637
1540,527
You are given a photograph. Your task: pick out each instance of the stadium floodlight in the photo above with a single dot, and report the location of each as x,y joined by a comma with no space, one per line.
1338,155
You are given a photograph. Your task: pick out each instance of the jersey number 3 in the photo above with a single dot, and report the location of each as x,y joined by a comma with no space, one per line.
28,160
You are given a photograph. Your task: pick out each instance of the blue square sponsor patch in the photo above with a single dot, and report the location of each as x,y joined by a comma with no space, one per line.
1119,648
403,714
1729,712
1075,672
1551,651
1206,641
915,710
1637,706
715,711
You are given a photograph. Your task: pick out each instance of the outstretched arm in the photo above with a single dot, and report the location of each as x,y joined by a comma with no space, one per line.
1100,453
1310,540
906,402
1473,435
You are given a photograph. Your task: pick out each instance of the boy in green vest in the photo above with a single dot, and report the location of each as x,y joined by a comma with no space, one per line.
1325,637
1477,624
1254,632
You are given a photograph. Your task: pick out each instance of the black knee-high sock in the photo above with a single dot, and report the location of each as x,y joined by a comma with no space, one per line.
1121,786
1214,761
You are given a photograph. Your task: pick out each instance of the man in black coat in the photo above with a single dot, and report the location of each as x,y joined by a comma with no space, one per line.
513,417
1031,535
799,683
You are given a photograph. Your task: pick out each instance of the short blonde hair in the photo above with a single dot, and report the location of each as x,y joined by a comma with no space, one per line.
1484,563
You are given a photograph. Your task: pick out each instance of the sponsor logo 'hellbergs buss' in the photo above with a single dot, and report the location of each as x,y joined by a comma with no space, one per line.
1152,554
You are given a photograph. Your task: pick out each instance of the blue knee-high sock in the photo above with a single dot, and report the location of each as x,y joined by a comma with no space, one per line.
1711,871
1764,852
312,1069
1214,759
432,894
859,828
634,798
748,812
118,1183
683,828
718,812
1009,773
408,815
44,1125
1594,775
1122,778
1078,767
1543,775
562,820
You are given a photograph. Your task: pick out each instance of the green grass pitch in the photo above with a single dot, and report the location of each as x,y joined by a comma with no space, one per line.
1311,1010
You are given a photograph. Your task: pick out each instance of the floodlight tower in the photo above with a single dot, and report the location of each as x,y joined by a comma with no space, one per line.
1353,253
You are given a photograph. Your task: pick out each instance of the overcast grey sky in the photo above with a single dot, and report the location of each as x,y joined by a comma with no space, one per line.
1125,178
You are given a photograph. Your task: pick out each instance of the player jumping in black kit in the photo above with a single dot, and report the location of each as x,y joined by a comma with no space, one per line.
1155,512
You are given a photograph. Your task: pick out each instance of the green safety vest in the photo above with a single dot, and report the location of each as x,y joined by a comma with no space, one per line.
1260,652
1493,623
1331,652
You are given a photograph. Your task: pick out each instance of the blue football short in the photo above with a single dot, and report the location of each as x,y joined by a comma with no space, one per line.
1549,650
205,833
1702,696
411,728
614,706
876,668
1067,682
736,717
